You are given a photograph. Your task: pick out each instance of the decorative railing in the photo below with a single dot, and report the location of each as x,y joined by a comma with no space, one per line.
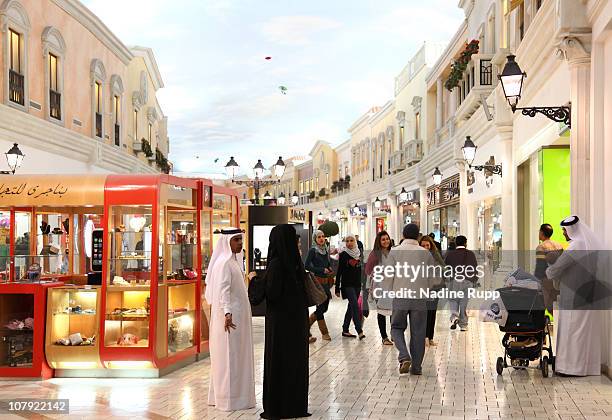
55,104
16,87
98,125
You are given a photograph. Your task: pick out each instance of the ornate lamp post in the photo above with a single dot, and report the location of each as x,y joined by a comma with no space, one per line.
281,198
512,78
14,158
295,198
231,168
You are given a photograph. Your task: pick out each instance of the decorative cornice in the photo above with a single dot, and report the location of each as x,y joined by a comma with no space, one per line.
94,25
151,64
575,48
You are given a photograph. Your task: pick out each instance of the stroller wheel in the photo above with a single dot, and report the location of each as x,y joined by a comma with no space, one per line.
499,366
545,366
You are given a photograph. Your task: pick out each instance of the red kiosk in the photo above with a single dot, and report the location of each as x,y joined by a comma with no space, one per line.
117,269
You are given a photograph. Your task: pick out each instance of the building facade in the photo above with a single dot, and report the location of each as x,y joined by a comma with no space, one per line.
66,88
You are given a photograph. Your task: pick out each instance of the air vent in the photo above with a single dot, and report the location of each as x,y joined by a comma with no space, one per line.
77,122
35,105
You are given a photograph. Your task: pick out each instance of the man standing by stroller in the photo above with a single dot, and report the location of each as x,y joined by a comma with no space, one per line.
463,258
546,247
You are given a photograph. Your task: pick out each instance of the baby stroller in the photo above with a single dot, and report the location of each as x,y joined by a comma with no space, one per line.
527,333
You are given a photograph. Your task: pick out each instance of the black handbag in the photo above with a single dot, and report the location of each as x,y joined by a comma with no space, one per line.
315,294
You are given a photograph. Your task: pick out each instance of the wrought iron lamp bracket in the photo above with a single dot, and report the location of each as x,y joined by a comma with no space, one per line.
556,113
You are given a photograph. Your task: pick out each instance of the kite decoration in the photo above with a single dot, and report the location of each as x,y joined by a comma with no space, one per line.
283,89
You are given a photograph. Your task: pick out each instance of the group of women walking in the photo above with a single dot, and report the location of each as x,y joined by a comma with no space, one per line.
287,332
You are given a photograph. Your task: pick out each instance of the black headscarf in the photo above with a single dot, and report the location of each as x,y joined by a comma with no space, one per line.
284,248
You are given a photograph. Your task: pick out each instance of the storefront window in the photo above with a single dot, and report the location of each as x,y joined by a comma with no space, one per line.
23,258
181,240
5,244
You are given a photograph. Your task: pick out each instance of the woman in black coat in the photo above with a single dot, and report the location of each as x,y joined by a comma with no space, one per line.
285,385
348,284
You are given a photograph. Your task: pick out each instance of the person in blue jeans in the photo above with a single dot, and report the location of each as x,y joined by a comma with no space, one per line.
348,285
319,264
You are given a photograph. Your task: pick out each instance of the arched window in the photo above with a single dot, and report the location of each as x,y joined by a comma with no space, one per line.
15,32
98,82
54,51
116,91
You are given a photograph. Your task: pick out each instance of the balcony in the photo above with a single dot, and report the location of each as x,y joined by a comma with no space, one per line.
397,162
478,81
55,104
16,87
98,125
413,151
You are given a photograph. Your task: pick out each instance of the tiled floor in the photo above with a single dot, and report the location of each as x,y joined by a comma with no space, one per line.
351,380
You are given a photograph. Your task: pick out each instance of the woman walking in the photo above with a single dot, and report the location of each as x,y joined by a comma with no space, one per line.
432,305
285,384
348,285
318,263
380,257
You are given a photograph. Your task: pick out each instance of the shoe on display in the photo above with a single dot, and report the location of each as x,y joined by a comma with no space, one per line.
405,366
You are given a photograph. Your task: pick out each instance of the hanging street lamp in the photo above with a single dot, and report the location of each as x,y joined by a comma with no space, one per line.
14,158
512,79
295,198
281,199
469,153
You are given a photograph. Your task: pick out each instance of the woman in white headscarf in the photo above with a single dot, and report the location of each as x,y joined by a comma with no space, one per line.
348,285
576,272
232,383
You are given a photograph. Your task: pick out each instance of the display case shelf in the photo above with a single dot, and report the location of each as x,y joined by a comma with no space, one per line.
72,337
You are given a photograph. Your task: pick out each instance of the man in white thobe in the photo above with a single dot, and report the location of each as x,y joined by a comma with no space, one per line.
232,383
577,273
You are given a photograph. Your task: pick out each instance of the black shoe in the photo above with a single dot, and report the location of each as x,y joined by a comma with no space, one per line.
405,366
454,324
348,335
361,335
416,372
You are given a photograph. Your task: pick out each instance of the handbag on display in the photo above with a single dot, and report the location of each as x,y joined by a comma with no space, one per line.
315,294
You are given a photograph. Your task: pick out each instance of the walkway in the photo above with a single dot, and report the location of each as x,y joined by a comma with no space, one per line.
353,380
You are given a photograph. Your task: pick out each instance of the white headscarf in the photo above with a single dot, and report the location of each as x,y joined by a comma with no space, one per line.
355,252
582,238
221,254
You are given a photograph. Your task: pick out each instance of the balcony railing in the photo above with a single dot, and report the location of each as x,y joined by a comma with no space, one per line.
478,80
55,104
98,125
117,135
16,87
413,151
397,162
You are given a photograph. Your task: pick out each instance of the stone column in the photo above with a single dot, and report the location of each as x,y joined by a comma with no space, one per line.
392,199
370,224
439,104
464,220
577,52
423,206
509,227
452,103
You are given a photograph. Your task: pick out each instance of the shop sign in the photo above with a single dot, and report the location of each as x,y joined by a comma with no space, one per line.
52,190
412,197
471,180
207,196
380,224
446,194
297,215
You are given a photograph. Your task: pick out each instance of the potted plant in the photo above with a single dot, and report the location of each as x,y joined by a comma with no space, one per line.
311,195
146,148
322,192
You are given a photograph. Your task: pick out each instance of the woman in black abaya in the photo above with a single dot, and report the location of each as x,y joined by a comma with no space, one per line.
285,385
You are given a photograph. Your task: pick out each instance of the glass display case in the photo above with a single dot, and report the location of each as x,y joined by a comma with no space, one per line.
128,294
181,317
22,330
73,323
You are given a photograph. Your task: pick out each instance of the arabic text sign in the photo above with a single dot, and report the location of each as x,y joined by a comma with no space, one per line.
52,191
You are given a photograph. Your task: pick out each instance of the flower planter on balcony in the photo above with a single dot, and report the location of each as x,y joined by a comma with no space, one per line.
478,81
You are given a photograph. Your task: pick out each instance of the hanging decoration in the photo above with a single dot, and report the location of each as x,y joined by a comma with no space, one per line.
460,65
